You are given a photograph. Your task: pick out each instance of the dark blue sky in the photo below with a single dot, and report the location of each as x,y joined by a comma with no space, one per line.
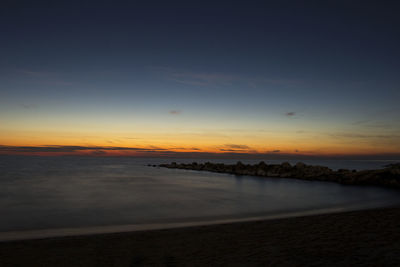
246,63
341,39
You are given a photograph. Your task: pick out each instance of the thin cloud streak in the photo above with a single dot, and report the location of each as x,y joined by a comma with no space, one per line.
364,136
71,149
290,114
45,77
32,73
235,146
175,112
218,79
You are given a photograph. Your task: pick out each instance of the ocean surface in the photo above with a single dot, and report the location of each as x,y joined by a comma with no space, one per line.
67,192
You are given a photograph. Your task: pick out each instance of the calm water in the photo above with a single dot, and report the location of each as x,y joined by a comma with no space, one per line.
59,192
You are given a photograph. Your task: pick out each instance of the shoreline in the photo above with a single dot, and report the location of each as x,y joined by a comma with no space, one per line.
37,234
355,238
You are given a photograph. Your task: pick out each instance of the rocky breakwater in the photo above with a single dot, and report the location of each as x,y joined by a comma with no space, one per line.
388,176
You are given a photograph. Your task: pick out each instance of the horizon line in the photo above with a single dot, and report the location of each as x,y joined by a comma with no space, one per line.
156,152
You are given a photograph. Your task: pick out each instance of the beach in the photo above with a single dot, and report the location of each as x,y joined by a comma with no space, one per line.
356,238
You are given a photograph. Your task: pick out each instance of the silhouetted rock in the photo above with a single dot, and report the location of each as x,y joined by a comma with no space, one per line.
389,176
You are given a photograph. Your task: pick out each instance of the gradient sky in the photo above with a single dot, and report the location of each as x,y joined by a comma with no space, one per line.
270,77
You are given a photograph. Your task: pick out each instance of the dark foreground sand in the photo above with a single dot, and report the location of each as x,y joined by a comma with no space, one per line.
358,238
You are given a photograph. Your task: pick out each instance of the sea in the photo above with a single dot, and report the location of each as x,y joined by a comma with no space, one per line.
72,192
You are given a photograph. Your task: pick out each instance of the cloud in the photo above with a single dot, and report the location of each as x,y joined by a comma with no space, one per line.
219,79
276,151
71,149
364,136
45,77
32,73
374,118
235,146
290,114
175,112
202,78
372,124
228,150
184,148
195,78
28,106
157,148
283,81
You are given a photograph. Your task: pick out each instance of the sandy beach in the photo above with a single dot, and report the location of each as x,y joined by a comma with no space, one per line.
357,238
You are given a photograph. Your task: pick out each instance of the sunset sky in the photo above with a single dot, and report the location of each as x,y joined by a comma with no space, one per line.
316,79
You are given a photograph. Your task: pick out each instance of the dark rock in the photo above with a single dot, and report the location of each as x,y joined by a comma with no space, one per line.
300,165
286,165
389,176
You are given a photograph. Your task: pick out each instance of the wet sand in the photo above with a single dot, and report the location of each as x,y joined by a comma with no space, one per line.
357,238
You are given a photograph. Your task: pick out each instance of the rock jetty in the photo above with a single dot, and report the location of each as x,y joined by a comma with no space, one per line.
388,176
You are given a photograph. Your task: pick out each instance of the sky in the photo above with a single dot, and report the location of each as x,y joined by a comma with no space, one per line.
199,78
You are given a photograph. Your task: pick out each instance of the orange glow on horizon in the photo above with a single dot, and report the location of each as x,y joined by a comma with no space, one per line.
163,143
